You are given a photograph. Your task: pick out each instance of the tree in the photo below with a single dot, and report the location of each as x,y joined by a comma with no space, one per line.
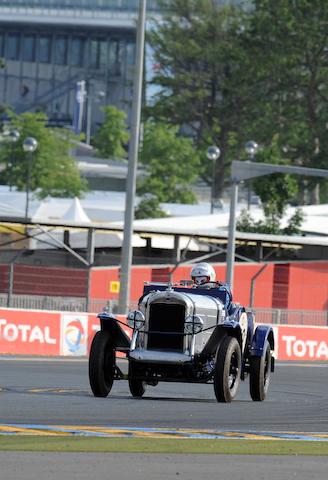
170,163
233,75
275,191
198,58
111,138
288,81
54,171
149,207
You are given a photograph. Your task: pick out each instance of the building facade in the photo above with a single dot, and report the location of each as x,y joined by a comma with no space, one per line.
51,46
48,46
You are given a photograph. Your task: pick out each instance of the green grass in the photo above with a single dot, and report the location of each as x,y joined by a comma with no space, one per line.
151,445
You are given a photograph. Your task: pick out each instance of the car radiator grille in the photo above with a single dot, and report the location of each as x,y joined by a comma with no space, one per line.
166,327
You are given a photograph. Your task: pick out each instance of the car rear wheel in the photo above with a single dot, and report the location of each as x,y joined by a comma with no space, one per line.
101,364
259,377
227,370
137,387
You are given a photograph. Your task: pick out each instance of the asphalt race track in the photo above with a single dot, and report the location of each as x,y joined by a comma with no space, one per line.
57,392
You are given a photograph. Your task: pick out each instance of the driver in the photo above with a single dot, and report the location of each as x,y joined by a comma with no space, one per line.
203,275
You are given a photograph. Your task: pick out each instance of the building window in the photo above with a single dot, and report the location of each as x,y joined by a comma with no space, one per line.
103,53
130,53
94,54
60,50
77,50
115,57
13,46
1,45
28,48
44,49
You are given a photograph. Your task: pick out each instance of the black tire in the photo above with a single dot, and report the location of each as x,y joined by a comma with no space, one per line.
137,387
101,364
227,370
259,375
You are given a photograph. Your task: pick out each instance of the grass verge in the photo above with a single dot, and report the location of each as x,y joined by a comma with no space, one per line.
151,445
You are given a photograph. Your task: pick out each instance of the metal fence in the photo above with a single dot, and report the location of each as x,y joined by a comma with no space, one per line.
62,304
275,316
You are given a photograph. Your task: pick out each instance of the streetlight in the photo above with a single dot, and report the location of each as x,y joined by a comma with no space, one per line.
29,146
12,138
213,154
251,149
126,254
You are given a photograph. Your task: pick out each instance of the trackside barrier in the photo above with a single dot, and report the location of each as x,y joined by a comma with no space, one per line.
41,332
49,333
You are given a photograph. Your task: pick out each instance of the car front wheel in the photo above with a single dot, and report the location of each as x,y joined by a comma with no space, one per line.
101,364
227,370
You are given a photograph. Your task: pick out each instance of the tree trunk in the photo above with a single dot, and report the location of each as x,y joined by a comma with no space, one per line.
315,195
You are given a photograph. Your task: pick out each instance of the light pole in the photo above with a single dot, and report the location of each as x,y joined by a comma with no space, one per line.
213,154
251,149
29,146
13,137
126,254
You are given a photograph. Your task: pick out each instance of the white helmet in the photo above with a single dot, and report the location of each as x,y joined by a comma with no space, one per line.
202,273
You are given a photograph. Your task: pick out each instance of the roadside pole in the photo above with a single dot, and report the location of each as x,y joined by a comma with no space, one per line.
126,255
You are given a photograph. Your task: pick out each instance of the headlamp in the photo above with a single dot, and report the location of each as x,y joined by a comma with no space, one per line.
193,324
136,319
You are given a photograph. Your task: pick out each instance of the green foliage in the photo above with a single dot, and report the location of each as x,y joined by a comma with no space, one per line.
230,75
198,55
111,138
149,207
170,162
294,224
277,189
288,80
271,224
54,172
245,223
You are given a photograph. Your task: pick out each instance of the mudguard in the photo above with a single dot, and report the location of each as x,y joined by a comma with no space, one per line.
229,327
262,334
109,323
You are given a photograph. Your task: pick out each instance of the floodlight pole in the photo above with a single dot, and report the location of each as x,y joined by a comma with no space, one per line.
232,234
126,255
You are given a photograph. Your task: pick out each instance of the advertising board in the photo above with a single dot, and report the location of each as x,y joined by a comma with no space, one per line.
38,332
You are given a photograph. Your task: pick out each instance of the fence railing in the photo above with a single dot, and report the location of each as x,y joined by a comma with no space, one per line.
275,316
62,304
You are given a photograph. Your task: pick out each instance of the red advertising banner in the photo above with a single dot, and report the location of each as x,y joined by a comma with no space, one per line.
301,342
36,332
28,332
94,326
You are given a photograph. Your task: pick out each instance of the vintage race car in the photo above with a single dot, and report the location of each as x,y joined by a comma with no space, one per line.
184,334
